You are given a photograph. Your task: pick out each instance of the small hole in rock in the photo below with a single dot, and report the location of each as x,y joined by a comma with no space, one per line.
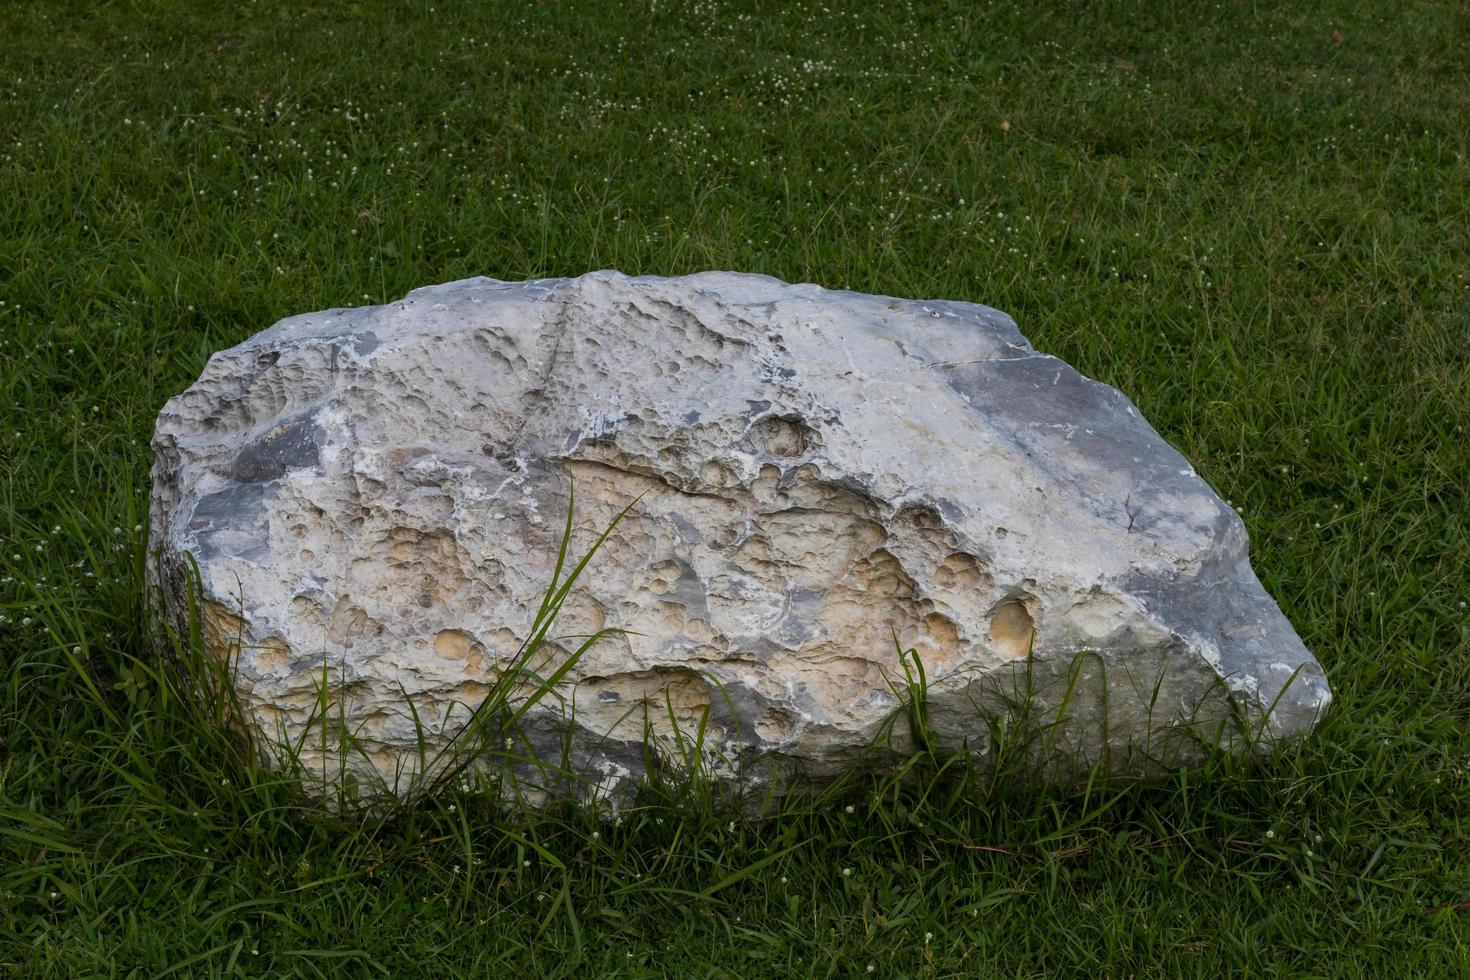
779,436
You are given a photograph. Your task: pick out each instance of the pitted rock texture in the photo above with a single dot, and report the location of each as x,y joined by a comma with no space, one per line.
374,496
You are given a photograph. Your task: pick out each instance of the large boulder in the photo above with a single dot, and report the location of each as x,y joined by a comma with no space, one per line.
374,498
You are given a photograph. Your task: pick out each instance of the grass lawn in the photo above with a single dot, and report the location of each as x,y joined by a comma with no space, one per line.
1254,218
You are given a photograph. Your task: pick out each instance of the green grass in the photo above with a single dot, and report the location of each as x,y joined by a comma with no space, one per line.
1251,217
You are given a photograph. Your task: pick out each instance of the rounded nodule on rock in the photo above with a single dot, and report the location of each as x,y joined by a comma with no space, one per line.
1011,629
452,644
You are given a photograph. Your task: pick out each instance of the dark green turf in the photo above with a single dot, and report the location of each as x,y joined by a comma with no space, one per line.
1254,218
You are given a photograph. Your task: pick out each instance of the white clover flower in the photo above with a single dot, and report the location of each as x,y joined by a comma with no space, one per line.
847,872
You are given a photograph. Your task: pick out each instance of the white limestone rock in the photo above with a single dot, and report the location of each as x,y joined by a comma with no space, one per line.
381,491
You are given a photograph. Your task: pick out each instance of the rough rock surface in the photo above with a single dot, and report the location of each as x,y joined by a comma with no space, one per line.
379,492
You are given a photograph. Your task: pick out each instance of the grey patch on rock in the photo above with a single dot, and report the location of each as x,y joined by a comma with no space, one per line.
949,509
797,624
688,591
687,530
1225,613
285,447
231,522
364,343
237,505
815,471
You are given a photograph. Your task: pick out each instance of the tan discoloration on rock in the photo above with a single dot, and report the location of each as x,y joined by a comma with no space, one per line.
452,644
1012,629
